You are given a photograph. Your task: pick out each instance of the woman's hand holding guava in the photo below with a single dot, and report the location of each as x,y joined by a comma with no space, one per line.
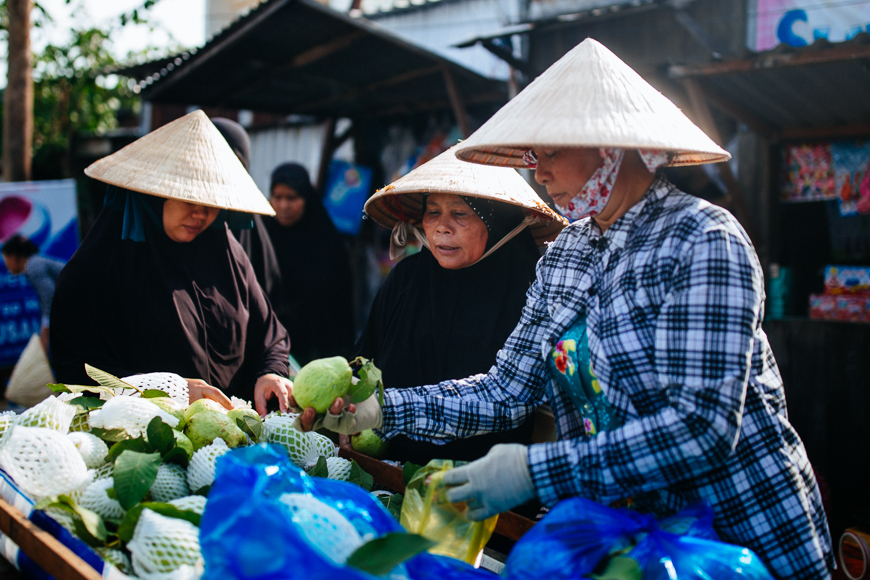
199,389
309,419
271,385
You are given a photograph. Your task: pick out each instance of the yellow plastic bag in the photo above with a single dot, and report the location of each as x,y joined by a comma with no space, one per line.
426,511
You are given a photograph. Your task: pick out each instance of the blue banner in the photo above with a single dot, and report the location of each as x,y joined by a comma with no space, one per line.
347,189
45,212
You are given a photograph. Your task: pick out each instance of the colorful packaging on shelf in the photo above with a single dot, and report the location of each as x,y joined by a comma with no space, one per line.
845,308
847,280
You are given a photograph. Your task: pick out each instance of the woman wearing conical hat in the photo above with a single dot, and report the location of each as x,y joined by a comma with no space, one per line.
444,312
642,329
160,284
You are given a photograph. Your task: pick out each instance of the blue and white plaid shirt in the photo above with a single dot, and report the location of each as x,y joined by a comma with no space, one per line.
673,296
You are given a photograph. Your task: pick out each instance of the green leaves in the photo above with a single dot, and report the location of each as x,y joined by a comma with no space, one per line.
131,518
110,435
108,380
369,379
58,388
393,503
250,427
381,555
89,526
408,471
153,394
138,445
134,475
620,568
160,436
360,477
319,470
87,402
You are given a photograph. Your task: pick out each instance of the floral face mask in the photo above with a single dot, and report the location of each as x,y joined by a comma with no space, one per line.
593,197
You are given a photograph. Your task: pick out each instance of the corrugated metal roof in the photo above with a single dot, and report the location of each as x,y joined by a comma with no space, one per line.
820,90
297,56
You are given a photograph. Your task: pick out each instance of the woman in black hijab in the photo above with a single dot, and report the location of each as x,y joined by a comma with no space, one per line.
444,312
255,240
316,281
160,284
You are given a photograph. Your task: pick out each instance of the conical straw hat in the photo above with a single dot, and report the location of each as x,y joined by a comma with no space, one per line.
402,200
27,385
187,159
589,98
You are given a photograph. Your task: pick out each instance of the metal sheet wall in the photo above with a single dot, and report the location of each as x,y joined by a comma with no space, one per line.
438,28
271,147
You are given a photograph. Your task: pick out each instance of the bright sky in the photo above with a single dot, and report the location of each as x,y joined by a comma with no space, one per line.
175,22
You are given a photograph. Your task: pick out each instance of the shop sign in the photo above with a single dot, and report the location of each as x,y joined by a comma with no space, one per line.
347,188
45,212
838,170
801,22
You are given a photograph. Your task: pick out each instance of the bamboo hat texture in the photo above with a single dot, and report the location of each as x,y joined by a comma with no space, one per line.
187,159
402,200
589,98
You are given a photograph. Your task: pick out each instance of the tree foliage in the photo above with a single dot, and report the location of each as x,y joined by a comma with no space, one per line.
74,90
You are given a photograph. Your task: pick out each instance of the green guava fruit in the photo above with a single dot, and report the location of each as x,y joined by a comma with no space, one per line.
369,444
321,381
172,407
183,441
202,405
241,413
207,425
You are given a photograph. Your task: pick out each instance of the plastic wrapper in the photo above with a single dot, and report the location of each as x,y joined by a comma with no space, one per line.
426,511
267,542
581,538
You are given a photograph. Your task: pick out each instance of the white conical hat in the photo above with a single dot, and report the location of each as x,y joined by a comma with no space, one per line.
402,200
187,159
589,98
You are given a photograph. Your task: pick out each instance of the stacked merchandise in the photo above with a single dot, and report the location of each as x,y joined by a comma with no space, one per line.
846,296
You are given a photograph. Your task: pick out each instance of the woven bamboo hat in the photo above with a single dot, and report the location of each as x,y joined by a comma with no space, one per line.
589,98
187,159
402,200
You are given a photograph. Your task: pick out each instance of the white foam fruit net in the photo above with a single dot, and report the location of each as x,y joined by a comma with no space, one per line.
338,468
171,483
165,548
240,403
92,449
51,413
323,526
80,421
117,558
43,462
303,448
170,383
7,418
129,413
200,470
96,499
191,503
105,470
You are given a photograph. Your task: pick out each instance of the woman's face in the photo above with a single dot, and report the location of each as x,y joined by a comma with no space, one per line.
183,221
564,171
457,236
289,206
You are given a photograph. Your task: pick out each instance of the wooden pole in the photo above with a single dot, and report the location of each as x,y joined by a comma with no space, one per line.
43,548
456,102
18,101
734,197
326,151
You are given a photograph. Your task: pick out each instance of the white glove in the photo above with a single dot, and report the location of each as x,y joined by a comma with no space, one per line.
494,483
368,415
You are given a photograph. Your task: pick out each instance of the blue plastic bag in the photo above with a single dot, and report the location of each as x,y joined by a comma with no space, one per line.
579,535
247,533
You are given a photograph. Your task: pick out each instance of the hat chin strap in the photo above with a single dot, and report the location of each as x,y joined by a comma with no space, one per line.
527,221
400,236
402,230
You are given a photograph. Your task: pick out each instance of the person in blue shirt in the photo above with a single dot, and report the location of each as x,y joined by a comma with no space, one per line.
22,257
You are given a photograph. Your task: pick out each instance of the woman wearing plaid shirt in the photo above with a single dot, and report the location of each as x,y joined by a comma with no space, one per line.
660,293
